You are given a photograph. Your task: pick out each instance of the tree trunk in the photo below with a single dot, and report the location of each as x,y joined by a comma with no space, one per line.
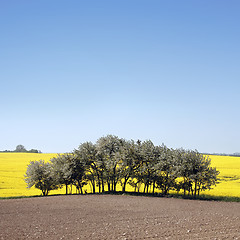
112,185
115,184
80,186
81,189
99,186
99,182
153,187
93,186
124,184
102,185
66,189
144,188
184,187
138,186
147,186
195,189
113,180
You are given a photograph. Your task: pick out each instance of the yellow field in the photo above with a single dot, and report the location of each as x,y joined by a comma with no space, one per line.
229,168
13,167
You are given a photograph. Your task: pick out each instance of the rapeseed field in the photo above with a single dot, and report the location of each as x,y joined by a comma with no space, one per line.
229,177
13,167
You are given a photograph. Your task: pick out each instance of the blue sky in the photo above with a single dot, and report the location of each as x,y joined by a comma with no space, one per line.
73,71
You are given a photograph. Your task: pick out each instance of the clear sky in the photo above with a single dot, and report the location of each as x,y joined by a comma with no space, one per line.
74,71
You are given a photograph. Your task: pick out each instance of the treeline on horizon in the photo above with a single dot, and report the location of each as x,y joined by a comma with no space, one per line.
113,160
224,154
21,149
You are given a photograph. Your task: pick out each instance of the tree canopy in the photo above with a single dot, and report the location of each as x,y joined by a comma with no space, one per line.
113,160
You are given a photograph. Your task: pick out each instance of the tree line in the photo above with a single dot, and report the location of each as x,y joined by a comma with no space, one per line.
114,161
21,148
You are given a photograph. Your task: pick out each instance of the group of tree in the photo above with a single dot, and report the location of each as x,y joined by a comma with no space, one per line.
21,148
113,161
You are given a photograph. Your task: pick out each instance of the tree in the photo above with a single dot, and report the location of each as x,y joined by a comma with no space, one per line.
69,169
166,169
130,160
87,153
78,170
202,175
113,160
34,151
39,174
20,148
137,154
62,171
108,148
196,171
147,169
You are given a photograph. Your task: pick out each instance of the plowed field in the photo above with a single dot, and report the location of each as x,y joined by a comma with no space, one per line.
117,217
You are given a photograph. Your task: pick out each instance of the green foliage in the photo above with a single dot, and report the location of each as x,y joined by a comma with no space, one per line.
109,149
113,161
68,169
40,175
20,148
196,172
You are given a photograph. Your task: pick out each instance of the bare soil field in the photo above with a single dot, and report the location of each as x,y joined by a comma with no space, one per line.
117,217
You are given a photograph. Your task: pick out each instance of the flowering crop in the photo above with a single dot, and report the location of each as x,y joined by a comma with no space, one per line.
229,168
12,170
13,167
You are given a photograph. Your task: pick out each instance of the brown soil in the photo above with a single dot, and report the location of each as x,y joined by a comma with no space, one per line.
117,217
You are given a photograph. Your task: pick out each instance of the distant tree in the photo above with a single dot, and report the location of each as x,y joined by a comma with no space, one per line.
20,148
34,151
39,174
236,154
